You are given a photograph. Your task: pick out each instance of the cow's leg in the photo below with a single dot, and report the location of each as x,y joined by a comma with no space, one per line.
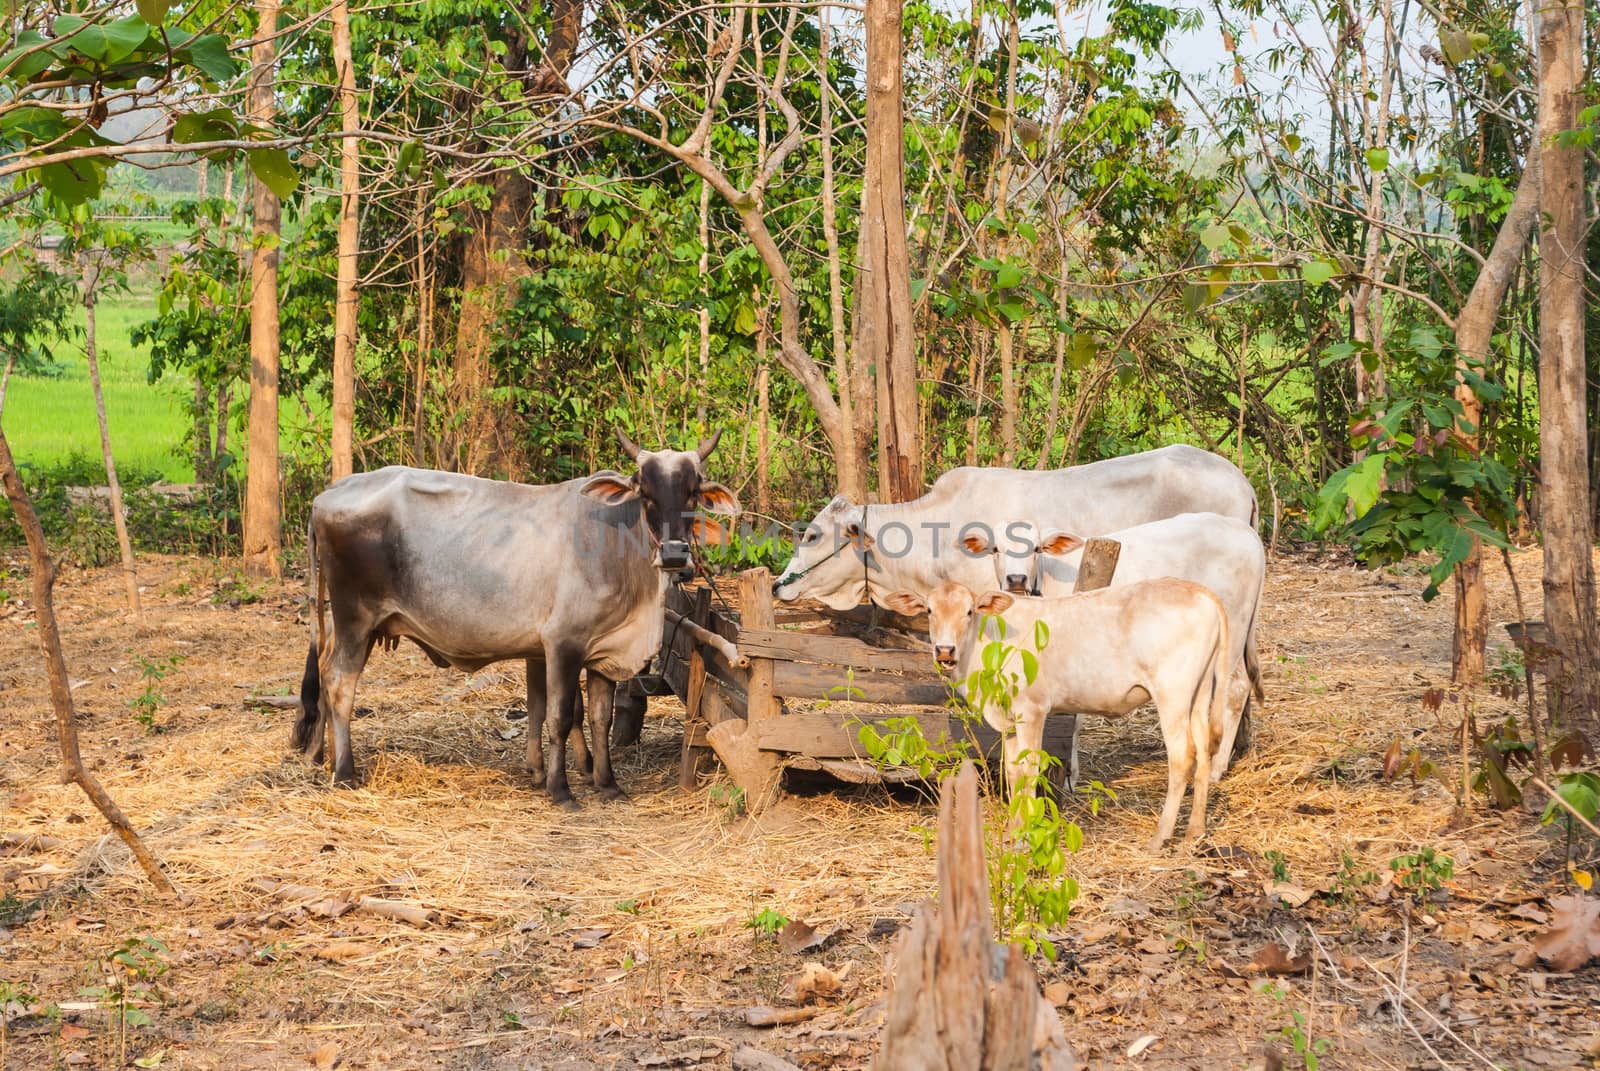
579,742
1200,738
310,730
1072,753
339,676
627,713
561,695
1030,745
536,706
1174,713
601,697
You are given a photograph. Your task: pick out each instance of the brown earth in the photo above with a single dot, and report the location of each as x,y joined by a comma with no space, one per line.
621,936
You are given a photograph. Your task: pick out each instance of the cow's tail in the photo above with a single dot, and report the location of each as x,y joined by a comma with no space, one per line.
309,728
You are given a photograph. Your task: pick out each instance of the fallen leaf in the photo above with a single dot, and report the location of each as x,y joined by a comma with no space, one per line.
153,1060
796,937
1058,993
325,1057
340,951
1530,912
1287,892
1099,932
1574,934
762,1015
71,1032
813,981
1272,959
590,938
1142,1044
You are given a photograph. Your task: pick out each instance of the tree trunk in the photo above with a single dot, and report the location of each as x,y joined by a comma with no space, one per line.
91,353
852,384
1474,329
345,304
44,579
263,519
885,337
1563,430
956,1002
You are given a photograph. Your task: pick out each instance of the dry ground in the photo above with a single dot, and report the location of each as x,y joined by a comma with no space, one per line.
618,936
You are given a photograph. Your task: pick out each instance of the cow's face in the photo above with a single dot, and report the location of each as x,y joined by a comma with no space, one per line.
671,485
1016,556
951,609
830,559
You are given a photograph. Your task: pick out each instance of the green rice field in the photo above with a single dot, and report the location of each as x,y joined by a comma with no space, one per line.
48,418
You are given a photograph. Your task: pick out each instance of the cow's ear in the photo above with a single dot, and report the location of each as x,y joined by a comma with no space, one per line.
862,541
708,533
977,544
995,602
611,489
905,603
1059,543
718,499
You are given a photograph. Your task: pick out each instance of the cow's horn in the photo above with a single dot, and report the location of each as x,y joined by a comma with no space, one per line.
708,445
629,447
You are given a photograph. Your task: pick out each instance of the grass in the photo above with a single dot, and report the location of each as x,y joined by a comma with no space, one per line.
49,418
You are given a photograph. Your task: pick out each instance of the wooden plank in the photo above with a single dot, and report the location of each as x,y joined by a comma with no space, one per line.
831,734
694,694
721,703
757,642
800,680
855,771
755,771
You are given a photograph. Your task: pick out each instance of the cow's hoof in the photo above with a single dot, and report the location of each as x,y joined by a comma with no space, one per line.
569,804
612,792
344,781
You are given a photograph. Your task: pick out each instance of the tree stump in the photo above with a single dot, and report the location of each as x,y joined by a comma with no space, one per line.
958,1001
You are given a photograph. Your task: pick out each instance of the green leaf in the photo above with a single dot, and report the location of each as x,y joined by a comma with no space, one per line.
22,62
1030,666
124,37
1008,276
1455,44
214,125
74,182
1317,272
153,11
1291,142
1365,483
1041,635
1013,311
210,54
1082,349
744,321
918,286
1378,159
273,168
1215,236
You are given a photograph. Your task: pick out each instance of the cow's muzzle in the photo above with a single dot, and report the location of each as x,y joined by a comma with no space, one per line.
945,655
674,554
1017,583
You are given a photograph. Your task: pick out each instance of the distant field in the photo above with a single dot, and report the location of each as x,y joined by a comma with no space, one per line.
48,419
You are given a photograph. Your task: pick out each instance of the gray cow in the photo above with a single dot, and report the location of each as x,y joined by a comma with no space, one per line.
569,576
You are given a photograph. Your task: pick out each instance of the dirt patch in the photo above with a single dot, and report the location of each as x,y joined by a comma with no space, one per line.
631,934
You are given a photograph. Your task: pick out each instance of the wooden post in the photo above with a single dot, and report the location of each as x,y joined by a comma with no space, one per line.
692,759
1099,562
954,1004
755,771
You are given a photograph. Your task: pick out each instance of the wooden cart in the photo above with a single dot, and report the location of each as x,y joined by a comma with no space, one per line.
750,678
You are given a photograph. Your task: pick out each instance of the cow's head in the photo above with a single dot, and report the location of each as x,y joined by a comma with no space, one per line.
1016,554
951,609
830,558
672,486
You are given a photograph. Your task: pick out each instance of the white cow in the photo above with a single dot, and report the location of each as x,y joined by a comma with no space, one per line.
1222,553
1107,652
850,553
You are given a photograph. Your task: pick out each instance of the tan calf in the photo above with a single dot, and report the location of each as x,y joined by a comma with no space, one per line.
1108,652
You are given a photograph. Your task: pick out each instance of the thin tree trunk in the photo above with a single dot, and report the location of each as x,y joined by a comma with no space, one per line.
345,305
705,305
1366,305
5,379
91,279
763,433
1008,374
424,325
853,461
1569,596
43,580
1474,329
263,518
885,339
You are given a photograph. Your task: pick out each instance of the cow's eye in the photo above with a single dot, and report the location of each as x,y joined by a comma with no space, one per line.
810,538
